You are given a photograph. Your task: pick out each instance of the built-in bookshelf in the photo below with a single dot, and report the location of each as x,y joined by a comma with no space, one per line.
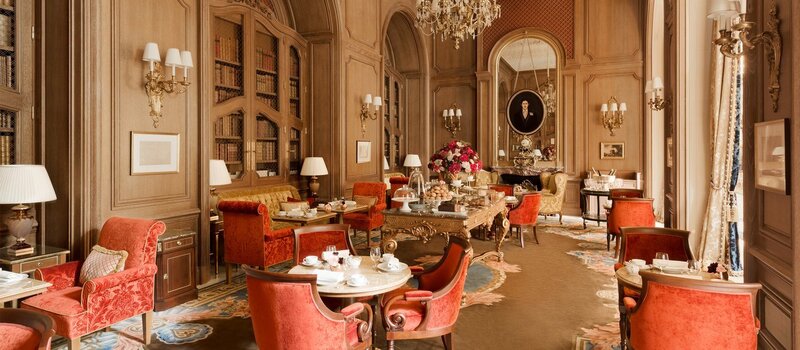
228,67
396,104
229,142
266,62
295,151
8,130
8,45
387,93
267,147
294,83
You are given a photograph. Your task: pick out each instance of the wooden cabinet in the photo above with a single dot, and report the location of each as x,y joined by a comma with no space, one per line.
16,81
259,105
176,260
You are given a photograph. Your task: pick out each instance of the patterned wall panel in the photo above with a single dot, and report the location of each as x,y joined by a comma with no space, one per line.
555,16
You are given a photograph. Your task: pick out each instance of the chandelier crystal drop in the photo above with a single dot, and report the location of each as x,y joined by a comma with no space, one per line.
456,19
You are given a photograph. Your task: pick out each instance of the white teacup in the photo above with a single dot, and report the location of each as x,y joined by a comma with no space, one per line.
353,261
393,263
632,269
357,279
387,256
638,262
310,260
313,211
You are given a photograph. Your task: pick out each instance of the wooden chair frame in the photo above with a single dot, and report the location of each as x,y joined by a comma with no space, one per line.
310,229
40,322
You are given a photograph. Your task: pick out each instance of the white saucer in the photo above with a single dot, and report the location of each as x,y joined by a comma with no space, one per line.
383,267
310,265
326,282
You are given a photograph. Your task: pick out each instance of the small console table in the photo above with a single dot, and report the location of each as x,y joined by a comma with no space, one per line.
43,256
176,260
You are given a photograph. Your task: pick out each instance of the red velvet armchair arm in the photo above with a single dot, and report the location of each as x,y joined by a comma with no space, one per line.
416,270
629,303
131,288
60,276
377,209
365,328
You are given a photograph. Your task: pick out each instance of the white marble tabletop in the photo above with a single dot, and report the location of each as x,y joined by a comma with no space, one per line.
378,282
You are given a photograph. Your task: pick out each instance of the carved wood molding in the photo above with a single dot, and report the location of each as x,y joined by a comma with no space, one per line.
774,44
259,5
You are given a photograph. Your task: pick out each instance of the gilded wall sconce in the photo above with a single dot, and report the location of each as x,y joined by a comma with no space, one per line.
452,119
365,112
155,85
655,89
613,114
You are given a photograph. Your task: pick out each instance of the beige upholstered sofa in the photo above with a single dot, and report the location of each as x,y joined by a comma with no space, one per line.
271,196
554,186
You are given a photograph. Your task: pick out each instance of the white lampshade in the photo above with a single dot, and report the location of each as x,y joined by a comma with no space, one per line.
22,184
368,99
173,58
501,153
537,152
377,101
648,88
721,9
604,107
412,161
385,163
151,53
623,107
218,173
779,151
613,107
658,84
186,59
314,166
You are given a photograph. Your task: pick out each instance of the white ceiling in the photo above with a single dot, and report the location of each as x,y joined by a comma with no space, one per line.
529,54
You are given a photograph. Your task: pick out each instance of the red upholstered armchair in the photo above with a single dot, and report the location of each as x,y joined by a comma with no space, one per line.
681,313
372,219
25,330
396,182
628,212
288,314
507,189
80,310
524,215
432,309
249,240
625,193
312,240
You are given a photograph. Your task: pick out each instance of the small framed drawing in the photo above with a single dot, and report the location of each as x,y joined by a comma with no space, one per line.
363,151
771,171
612,150
154,153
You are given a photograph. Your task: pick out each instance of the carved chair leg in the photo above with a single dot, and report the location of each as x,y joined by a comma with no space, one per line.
447,340
228,273
390,344
74,344
147,326
535,236
608,241
560,219
521,233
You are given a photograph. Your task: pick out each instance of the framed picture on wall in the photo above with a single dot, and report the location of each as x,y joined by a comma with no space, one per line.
771,152
525,112
612,150
154,153
363,151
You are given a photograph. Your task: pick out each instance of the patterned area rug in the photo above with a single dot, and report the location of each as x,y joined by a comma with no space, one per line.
594,256
184,324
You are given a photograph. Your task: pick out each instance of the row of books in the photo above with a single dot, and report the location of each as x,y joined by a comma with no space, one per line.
228,126
294,108
224,95
6,30
266,151
266,129
294,88
6,149
7,71
229,151
266,84
295,67
226,75
266,59
6,119
226,48
7,3
271,101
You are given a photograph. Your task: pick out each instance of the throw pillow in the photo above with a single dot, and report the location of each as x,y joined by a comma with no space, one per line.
102,262
369,201
288,206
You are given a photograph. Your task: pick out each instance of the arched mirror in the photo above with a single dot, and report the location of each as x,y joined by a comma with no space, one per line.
527,75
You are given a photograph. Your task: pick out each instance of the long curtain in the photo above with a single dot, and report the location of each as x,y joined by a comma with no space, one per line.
720,233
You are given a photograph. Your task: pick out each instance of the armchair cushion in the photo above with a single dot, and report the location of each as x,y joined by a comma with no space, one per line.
365,200
60,276
64,306
413,311
17,336
102,262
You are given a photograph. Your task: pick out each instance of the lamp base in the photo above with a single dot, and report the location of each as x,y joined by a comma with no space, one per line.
20,225
21,248
313,186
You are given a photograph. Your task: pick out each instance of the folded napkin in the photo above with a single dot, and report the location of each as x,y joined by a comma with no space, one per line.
340,254
8,276
326,276
670,263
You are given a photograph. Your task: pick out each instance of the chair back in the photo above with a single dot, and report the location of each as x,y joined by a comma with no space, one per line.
138,237
20,323
484,178
682,313
373,189
507,189
287,312
625,193
396,182
246,225
440,275
630,212
644,242
447,280
557,185
527,211
312,240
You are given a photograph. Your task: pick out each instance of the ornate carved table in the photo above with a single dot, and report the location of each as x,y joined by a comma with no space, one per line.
425,225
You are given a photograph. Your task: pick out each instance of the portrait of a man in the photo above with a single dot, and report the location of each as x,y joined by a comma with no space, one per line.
525,112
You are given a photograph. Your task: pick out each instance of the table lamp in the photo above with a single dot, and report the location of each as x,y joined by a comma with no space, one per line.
217,176
313,166
19,184
415,179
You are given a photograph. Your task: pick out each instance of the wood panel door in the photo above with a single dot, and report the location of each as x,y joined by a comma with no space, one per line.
670,115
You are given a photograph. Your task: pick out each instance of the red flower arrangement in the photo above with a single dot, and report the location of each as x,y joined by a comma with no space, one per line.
456,156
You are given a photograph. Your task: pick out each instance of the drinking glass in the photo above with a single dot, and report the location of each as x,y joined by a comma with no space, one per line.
375,255
662,255
695,266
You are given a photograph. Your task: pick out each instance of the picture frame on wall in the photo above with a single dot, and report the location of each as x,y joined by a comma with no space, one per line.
772,172
363,151
155,153
612,150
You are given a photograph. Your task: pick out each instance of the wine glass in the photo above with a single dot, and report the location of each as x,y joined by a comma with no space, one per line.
375,254
695,266
661,256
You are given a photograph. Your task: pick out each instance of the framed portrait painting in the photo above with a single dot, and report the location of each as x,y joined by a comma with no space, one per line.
525,112
363,151
154,153
612,150
771,152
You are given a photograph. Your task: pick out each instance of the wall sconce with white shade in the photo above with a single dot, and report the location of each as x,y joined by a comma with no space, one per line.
385,163
501,153
217,176
19,185
313,166
655,88
452,119
613,114
365,112
155,85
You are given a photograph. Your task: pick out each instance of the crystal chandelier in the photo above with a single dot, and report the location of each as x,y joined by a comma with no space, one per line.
456,19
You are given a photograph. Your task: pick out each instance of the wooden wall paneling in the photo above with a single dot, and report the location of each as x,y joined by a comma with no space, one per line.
445,93
449,61
324,125
613,30
362,22
361,75
570,140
